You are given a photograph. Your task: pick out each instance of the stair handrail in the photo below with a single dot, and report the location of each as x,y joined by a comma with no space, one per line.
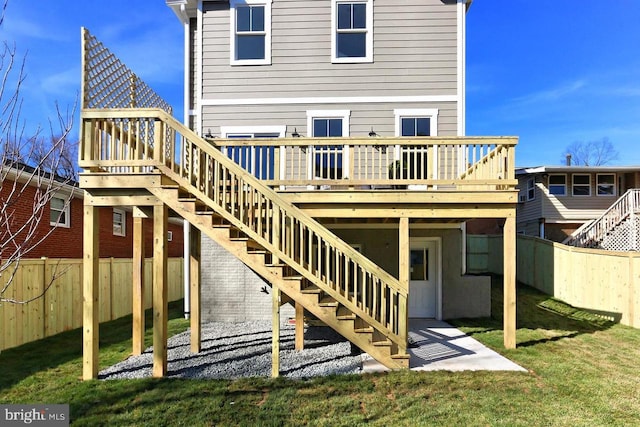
194,173
596,231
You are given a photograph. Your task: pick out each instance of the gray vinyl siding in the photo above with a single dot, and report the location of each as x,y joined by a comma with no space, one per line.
363,116
529,210
419,60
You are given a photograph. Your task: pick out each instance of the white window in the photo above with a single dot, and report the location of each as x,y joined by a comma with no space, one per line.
558,185
415,122
581,185
169,236
352,31
59,212
328,161
531,189
606,184
257,159
119,222
250,32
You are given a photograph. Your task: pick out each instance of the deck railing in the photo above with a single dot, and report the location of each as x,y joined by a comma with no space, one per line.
454,163
593,234
135,140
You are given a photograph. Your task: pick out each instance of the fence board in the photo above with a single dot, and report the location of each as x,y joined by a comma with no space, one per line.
61,307
606,282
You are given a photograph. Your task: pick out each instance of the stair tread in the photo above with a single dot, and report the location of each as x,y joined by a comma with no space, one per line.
311,289
328,302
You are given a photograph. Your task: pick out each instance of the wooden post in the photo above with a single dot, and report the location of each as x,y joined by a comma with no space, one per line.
91,278
160,306
299,341
509,313
138,284
275,326
403,276
194,302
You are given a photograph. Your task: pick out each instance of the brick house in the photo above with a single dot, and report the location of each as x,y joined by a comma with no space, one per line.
65,241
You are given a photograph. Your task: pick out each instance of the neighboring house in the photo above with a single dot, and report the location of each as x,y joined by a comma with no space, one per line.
555,201
62,218
323,155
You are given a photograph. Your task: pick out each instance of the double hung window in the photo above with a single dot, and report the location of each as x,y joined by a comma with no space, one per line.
581,185
352,31
59,212
606,184
558,185
328,161
119,222
250,32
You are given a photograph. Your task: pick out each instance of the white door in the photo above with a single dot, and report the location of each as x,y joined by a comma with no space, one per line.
423,279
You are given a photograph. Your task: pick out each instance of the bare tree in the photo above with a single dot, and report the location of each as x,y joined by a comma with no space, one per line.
33,170
591,153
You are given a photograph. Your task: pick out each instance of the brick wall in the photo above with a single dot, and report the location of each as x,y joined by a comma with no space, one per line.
66,242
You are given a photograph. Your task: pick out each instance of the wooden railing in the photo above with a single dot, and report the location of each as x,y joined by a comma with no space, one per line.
429,162
596,231
131,140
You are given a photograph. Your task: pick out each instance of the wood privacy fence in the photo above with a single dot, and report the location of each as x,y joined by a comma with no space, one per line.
605,282
60,309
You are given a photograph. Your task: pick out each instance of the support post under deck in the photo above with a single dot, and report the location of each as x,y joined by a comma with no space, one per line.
194,302
91,277
138,285
509,312
160,305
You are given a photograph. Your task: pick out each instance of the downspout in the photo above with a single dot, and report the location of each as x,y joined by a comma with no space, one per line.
186,227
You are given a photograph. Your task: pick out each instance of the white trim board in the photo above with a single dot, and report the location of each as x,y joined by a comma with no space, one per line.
330,100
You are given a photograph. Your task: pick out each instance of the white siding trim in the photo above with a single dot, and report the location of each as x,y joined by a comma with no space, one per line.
198,65
461,57
329,100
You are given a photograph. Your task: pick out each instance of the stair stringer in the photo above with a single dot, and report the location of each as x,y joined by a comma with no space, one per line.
383,349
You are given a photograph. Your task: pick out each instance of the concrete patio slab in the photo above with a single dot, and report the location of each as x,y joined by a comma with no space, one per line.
439,346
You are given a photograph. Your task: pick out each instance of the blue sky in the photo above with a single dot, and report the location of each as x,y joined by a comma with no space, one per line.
549,71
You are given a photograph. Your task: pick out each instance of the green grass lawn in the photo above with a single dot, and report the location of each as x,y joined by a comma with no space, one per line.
582,371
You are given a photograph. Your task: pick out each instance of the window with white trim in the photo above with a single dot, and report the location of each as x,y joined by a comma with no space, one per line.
606,184
581,185
250,32
169,236
352,31
328,161
257,159
531,189
558,185
415,122
59,212
119,222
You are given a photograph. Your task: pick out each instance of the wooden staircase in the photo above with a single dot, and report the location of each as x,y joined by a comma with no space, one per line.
280,242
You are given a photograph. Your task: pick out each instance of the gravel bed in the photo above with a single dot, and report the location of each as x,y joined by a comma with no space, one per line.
237,350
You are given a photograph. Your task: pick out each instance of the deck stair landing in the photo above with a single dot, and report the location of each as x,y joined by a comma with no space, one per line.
280,242
617,229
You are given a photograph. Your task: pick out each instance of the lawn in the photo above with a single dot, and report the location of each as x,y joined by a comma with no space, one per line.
582,370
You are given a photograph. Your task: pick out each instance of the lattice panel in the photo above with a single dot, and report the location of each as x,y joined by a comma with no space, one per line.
108,83
625,237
